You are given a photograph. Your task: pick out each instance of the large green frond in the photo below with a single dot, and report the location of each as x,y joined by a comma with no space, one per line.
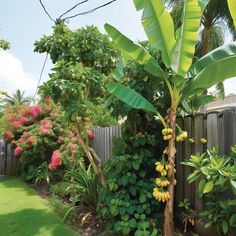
130,97
232,9
214,73
135,51
159,27
185,46
218,54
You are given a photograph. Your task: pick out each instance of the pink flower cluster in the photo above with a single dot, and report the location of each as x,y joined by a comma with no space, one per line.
8,135
16,120
17,151
55,161
46,125
27,138
35,110
47,100
91,134
59,140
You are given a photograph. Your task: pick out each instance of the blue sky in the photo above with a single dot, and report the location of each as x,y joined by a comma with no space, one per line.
23,22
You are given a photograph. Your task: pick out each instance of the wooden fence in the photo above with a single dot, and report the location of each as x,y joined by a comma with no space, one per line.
219,128
8,163
102,142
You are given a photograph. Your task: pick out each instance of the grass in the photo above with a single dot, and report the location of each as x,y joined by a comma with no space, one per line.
24,213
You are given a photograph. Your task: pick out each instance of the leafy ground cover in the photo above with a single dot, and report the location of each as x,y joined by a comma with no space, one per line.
23,212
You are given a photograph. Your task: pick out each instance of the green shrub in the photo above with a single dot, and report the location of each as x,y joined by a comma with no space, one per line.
43,173
58,206
217,175
83,186
127,203
59,189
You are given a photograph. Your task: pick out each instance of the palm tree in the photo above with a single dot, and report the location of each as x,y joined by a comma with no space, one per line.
216,17
17,98
4,44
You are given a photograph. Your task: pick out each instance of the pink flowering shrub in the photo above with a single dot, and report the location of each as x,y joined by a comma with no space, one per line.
55,161
17,151
38,134
35,132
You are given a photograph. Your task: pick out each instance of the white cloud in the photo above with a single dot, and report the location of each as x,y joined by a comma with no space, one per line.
13,76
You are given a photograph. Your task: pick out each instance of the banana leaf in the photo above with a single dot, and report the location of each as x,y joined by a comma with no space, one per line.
211,75
159,27
130,97
135,51
232,9
185,47
212,57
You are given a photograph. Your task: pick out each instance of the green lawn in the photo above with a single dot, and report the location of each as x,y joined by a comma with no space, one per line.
24,213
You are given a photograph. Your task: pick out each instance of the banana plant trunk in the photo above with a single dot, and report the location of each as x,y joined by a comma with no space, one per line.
169,208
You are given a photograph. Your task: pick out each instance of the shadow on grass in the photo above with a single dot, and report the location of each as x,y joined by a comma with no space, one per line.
17,184
33,222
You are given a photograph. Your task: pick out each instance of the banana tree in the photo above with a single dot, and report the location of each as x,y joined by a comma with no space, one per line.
184,79
232,8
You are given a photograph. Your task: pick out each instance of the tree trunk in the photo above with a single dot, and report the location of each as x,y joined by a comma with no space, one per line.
169,208
90,153
206,37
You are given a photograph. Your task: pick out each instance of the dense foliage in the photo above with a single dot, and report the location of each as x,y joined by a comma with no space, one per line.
38,133
83,60
127,203
217,184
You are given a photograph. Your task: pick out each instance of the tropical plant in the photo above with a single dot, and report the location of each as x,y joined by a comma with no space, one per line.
232,9
17,98
217,184
36,132
85,186
215,20
189,215
4,44
127,203
43,174
83,61
183,78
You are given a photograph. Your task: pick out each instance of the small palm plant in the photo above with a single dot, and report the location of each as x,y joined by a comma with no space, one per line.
43,174
85,185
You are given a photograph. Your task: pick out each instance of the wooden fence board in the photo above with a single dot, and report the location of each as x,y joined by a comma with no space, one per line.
102,142
179,167
187,153
212,129
198,148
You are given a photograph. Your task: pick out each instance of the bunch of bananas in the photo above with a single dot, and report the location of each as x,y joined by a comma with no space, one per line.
191,140
181,137
167,133
162,182
161,168
203,140
161,196
166,152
